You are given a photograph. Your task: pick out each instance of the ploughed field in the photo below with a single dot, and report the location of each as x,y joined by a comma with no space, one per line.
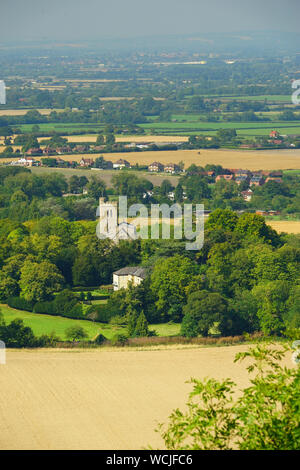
105,398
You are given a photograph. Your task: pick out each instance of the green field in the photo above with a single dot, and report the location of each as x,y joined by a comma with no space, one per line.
188,124
46,324
62,128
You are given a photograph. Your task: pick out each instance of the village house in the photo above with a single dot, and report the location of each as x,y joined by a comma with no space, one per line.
224,177
34,152
172,168
121,163
123,277
256,180
63,149
247,195
48,151
156,167
275,176
274,134
26,161
86,162
82,148
242,178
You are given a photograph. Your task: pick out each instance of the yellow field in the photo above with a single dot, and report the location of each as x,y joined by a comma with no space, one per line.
133,138
22,112
267,160
288,226
256,160
104,399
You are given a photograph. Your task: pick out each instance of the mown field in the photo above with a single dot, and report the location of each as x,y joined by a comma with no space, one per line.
46,324
102,399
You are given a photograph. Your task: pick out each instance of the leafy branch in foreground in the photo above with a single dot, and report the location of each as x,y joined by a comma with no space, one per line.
266,416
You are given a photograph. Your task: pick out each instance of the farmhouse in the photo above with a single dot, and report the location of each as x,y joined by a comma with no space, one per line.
119,164
123,277
86,162
172,168
156,166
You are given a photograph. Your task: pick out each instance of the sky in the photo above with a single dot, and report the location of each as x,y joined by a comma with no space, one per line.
76,20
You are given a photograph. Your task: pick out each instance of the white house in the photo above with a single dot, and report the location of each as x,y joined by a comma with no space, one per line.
123,277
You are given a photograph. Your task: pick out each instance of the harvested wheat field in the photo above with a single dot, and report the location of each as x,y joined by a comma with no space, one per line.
22,112
256,160
102,399
133,138
287,226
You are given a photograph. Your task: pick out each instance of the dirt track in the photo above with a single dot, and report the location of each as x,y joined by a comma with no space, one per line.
100,399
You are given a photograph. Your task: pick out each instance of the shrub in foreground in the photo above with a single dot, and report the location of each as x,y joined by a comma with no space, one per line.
265,417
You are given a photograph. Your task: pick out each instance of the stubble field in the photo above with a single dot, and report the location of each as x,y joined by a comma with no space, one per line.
103,399
251,160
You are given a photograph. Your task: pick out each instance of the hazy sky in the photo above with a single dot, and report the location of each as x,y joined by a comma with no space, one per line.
92,19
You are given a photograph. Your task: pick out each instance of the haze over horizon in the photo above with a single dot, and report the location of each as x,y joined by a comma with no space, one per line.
74,20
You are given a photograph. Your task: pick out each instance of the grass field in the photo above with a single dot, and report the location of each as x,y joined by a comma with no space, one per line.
46,324
247,159
103,399
106,175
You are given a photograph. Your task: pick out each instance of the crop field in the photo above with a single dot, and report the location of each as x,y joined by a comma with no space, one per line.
247,159
287,226
22,112
121,138
102,399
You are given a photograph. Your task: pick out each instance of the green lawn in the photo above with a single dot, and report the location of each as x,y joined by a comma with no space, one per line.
46,324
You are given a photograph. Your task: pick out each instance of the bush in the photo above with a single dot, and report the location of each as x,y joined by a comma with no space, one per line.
44,308
99,313
76,333
100,339
20,303
265,417
16,335
119,340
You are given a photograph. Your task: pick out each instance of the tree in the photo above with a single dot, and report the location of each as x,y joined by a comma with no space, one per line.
100,139
170,283
254,226
16,335
222,219
203,311
178,194
265,417
96,188
75,333
272,299
39,281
